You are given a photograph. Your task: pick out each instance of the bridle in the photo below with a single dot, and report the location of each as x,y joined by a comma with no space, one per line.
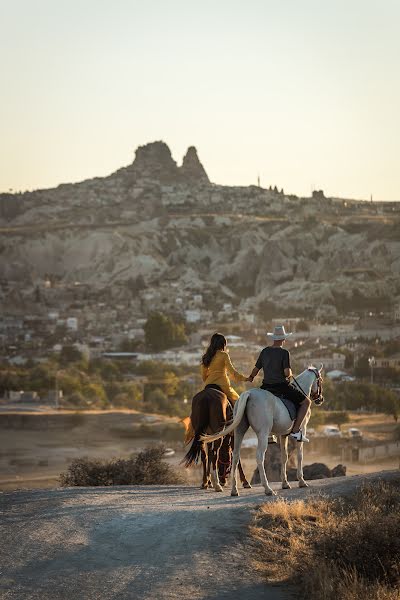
317,395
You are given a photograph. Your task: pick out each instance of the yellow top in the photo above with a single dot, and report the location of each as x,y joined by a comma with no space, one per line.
218,371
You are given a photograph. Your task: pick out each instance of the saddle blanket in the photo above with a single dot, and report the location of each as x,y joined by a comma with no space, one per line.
291,408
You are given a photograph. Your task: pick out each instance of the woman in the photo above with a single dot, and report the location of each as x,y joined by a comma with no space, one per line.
216,365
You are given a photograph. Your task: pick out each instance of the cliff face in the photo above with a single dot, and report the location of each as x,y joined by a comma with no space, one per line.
169,223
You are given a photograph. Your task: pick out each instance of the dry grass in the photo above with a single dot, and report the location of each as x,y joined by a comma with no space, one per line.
146,468
334,550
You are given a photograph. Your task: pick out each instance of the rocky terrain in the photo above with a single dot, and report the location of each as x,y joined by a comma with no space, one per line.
170,224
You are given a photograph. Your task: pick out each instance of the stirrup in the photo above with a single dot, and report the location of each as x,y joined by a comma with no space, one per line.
299,436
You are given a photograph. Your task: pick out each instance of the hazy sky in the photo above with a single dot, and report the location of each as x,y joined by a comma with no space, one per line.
305,93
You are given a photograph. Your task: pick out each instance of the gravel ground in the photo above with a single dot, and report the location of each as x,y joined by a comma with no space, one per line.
147,542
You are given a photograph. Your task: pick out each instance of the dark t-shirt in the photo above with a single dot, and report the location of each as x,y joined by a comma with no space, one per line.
273,359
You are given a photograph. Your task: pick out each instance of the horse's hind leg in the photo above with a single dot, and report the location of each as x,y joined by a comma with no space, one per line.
215,446
284,458
242,476
261,450
237,442
204,460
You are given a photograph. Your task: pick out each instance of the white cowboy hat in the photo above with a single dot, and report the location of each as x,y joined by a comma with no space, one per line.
279,333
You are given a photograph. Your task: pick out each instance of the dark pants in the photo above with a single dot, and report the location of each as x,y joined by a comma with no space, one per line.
284,390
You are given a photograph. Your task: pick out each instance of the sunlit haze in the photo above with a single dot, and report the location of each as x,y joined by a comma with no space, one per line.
303,94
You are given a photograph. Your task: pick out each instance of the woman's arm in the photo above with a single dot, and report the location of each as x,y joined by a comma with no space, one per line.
231,369
203,372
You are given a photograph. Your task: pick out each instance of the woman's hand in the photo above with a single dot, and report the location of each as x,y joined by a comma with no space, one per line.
250,378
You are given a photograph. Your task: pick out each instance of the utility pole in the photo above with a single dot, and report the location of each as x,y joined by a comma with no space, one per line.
371,362
56,392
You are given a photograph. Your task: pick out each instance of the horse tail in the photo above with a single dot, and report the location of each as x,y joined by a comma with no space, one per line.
200,417
193,454
240,407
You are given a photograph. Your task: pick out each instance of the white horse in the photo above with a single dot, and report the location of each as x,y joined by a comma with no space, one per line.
266,414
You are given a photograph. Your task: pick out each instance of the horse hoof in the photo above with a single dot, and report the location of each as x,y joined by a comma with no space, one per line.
286,486
235,493
247,485
204,486
302,483
218,488
270,493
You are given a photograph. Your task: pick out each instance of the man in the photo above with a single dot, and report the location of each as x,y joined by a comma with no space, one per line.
275,362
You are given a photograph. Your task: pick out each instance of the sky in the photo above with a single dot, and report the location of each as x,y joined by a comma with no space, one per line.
304,94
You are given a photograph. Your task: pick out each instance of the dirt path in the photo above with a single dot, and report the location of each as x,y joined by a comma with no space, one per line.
125,543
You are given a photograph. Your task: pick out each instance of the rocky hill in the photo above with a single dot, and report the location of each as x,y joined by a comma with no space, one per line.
169,223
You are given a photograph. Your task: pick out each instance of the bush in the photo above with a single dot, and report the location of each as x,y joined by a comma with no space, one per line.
146,468
335,549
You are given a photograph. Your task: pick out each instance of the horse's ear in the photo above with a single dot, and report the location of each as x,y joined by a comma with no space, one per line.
321,367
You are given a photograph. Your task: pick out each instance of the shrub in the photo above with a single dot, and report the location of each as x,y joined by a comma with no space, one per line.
146,468
335,549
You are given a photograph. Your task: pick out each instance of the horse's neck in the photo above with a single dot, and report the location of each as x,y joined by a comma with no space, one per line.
305,380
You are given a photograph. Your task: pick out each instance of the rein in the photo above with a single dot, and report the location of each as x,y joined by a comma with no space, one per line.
319,398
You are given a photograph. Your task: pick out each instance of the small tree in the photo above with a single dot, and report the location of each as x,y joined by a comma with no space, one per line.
340,418
70,354
161,332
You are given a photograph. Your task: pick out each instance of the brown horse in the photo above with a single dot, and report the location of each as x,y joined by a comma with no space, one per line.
210,412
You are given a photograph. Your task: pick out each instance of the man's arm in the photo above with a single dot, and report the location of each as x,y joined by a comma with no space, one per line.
286,366
257,367
253,374
288,373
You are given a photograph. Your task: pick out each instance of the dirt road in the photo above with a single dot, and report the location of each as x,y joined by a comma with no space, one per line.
125,543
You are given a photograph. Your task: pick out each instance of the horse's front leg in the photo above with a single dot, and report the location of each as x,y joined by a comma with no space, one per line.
300,477
261,450
214,460
204,460
242,476
283,440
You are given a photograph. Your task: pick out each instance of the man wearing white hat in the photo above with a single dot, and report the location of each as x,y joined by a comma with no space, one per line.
275,362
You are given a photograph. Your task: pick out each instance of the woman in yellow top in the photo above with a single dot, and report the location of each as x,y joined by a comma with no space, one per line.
216,365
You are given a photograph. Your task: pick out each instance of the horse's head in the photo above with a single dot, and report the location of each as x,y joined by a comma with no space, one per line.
316,386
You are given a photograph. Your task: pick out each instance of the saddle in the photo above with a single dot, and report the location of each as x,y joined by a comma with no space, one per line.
291,407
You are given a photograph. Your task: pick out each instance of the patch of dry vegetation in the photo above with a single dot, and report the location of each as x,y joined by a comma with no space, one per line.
335,549
146,468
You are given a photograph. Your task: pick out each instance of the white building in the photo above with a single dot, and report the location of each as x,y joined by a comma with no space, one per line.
72,323
385,362
192,316
331,362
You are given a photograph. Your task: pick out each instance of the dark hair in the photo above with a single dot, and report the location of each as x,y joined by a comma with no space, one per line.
217,342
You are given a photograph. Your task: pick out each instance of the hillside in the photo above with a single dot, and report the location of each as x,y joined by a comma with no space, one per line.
170,224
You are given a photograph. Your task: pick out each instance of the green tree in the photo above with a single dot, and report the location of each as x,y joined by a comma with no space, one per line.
70,354
95,394
157,400
161,332
318,417
339,418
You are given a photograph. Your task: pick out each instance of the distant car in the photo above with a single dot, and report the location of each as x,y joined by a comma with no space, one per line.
169,452
331,431
353,432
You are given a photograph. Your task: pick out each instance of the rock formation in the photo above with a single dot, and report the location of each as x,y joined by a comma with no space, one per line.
167,223
154,161
191,168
